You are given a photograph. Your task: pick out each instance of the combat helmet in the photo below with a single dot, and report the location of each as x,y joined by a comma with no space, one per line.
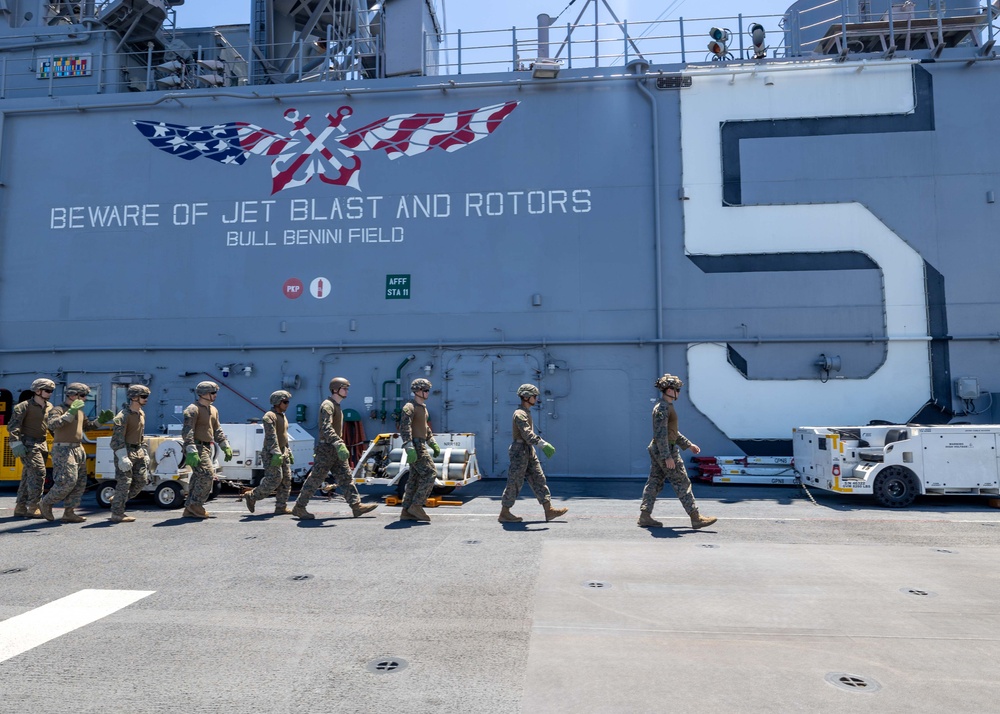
527,390
137,390
77,388
279,396
669,381
42,383
337,383
418,385
204,388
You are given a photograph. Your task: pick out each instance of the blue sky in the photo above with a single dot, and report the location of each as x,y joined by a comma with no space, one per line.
486,15
477,15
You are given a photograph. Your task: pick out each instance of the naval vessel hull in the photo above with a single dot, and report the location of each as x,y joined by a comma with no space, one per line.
802,241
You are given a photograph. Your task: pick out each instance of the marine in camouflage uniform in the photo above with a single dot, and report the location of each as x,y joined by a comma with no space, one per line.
524,460
276,455
27,442
332,456
418,440
128,436
200,431
69,461
665,459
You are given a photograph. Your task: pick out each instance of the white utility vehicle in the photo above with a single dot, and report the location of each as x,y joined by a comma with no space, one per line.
384,462
897,462
169,476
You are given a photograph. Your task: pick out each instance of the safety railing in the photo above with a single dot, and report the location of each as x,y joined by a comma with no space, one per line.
95,61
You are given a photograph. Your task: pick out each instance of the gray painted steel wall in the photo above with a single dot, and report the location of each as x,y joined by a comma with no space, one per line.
179,296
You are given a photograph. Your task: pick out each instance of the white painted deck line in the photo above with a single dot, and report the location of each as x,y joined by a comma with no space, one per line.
36,627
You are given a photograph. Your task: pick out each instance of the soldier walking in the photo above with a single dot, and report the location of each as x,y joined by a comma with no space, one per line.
332,456
69,460
276,454
666,463
27,442
415,429
200,431
128,436
524,461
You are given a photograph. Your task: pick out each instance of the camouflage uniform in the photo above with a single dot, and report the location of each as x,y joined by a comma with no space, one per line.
415,428
69,460
524,461
331,426
277,479
27,425
667,442
129,433
201,428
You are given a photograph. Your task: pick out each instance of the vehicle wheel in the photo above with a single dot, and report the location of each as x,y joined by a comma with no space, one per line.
895,487
105,492
442,490
169,495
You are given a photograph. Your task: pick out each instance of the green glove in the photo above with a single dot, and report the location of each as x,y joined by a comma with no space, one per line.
192,459
76,406
548,449
291,459
228,452
411,455
342,453
105,416
435,448
18,449
275,459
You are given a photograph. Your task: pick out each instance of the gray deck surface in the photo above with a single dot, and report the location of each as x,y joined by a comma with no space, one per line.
755,614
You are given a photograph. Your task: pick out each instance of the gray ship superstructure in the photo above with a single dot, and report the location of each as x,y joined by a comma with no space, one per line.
801,230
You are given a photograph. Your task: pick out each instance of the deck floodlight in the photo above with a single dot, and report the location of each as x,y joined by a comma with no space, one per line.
545,69
757,36
719,44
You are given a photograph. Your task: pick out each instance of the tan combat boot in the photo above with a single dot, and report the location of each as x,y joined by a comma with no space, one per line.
192,511
419,513
507,517
282,509
71,516
700,521
33,511
360,509
123,518
21,510
46,511
301,513
551,512
646,520
249,500
405,515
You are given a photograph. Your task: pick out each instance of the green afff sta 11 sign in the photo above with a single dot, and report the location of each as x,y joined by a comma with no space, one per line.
397,287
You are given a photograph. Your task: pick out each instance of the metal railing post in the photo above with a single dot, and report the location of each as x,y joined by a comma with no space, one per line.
843,23
739,27
569,48
680,29
625,40
513,49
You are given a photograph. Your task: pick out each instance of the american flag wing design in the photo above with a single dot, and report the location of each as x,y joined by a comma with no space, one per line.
230,143
411,134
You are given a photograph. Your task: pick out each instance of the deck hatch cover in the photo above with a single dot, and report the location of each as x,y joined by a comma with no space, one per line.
387,665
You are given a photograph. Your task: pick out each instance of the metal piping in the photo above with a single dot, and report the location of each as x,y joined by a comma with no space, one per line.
657,252
538,342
